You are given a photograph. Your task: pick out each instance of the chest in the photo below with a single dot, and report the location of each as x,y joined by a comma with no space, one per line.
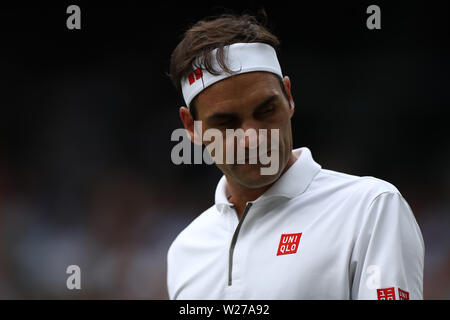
274,254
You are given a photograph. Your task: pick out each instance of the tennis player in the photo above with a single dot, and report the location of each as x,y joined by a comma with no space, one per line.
302,232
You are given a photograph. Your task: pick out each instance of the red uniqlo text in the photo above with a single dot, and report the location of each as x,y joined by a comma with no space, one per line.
289,243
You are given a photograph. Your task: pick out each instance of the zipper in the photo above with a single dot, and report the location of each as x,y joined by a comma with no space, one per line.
233,243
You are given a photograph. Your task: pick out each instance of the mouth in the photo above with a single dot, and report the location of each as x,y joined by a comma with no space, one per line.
255,158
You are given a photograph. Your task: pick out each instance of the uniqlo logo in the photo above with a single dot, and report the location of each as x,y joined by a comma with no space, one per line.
197,74
402,294
289,243
386,294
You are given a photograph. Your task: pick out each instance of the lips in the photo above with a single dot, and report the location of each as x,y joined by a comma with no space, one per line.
256,157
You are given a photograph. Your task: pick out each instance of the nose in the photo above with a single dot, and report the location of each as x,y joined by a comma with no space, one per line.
252,137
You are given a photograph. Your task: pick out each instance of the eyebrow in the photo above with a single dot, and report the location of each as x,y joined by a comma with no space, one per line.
228,115
221,115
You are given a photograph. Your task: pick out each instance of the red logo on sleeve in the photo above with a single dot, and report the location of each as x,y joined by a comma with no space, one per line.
402,294
289,243
386,294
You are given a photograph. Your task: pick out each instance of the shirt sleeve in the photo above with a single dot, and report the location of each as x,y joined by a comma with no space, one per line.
388,256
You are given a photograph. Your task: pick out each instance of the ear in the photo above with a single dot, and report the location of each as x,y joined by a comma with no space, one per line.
189,125
287,86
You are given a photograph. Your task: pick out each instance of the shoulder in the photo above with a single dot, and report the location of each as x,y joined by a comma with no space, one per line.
198,229
187,252
376,200
367,187
357,193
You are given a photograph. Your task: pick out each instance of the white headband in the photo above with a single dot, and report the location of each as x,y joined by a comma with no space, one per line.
240,58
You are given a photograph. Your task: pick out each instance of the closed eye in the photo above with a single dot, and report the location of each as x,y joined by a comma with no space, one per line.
225,123
267,107
265,112
221,119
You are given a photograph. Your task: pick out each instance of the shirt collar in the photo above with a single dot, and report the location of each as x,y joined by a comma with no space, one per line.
292,183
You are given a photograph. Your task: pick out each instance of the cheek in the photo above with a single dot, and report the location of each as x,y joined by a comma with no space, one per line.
285,143
284,132
287,138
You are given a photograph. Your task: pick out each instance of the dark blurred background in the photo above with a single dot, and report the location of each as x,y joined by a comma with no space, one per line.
86,118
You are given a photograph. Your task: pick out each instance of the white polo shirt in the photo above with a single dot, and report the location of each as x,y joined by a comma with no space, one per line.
315,234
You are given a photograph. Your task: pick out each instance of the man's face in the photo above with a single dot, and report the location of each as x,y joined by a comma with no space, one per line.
255,101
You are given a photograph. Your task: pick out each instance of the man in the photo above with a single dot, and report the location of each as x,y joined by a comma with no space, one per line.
302,232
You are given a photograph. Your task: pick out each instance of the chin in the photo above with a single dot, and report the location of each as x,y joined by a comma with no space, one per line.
252,178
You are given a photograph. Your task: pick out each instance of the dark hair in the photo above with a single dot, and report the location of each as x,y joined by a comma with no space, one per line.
216,32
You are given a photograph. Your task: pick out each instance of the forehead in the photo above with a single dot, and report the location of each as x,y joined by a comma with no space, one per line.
236,93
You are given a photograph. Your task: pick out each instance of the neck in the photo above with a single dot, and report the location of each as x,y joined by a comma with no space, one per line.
240,194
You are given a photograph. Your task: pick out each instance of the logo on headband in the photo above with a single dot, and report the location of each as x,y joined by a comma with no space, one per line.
197,74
